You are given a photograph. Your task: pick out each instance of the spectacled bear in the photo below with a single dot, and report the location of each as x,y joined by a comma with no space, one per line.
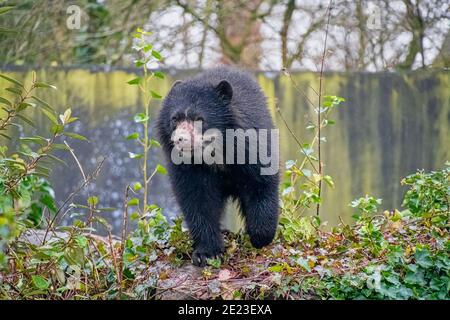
222,98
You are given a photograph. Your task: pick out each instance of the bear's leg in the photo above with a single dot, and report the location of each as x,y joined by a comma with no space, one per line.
202,204
259,204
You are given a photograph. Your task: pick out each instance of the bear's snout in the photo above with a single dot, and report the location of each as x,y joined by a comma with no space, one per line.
182,139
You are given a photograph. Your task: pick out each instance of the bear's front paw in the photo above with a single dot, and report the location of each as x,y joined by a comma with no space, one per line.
200,256
261,239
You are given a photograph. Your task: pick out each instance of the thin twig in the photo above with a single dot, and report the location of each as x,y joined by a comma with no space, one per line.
70,197
296,87
76,160
319,109
124,234
295,138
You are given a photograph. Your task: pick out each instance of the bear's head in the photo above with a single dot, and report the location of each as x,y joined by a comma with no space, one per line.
190,115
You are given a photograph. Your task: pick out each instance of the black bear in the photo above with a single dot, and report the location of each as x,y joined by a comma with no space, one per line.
229,103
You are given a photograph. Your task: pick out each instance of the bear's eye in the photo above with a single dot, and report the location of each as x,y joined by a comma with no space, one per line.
174,119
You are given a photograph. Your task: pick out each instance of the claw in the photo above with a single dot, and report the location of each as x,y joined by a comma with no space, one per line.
199,257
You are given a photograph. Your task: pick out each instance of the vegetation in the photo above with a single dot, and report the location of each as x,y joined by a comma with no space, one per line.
382,255
147,55
389,255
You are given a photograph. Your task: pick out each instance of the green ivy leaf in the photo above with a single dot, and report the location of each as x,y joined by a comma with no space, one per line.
423,258
40,282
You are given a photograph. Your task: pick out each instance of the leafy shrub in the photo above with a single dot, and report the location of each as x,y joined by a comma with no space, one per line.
429,194
24,190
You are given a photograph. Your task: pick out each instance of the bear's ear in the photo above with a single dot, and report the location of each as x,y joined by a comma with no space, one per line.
176,83
224,91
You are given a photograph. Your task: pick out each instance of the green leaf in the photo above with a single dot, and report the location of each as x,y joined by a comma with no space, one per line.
71,119
5,136
158,74
11,80
57,129
137,186
423,258
276,268
74,135
24,105
138,63
60,146
155,143
45,104
160,169
5,101
55,158
49,202
140,117
156,54
133,155
135,81
133,136
134,216
287,191
35,139
16,91
50,115
40,282
6,9
92,201
133,202
66,116
306,150
147,47
155,95
82,241
329,181
289,164
74,256
44,85
417,277
102,221
26,120
7,30
140,30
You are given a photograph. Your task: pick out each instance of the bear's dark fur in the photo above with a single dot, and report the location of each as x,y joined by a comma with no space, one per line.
224,98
